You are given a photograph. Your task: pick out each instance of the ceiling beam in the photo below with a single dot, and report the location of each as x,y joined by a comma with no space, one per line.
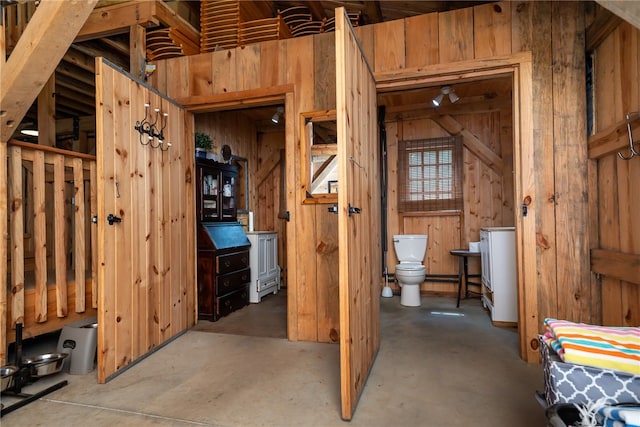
373,12
627,10
317,11
472,142
116,19
36,56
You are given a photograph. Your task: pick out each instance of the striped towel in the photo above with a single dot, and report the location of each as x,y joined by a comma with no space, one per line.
620,416
616,348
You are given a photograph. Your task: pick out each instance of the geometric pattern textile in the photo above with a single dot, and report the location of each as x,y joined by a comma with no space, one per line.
571,383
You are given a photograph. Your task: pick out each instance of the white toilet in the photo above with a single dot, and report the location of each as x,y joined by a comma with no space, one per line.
410,251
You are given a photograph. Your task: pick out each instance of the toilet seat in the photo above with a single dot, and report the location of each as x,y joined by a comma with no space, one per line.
410,267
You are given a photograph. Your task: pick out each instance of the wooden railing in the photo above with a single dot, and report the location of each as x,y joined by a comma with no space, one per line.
51,200
16,18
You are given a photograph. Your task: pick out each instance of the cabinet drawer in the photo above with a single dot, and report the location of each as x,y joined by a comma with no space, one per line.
232,301
232,262
226,283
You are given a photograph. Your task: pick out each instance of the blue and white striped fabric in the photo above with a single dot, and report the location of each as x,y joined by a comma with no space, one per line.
620,416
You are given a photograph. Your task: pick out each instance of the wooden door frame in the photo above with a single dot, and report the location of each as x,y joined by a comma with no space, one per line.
519,66
284,94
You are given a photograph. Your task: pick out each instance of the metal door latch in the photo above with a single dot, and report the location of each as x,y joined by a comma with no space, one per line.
333,209
353,210
112,218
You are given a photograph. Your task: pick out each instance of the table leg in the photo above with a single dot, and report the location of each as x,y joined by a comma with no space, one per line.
460,270
466,277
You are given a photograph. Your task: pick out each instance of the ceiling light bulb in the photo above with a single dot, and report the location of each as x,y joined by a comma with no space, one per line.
437,100
276,117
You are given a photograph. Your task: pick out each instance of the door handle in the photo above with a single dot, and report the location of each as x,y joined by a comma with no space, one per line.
353,210
111,218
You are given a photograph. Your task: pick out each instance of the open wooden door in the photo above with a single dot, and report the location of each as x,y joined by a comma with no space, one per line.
145,221
359,214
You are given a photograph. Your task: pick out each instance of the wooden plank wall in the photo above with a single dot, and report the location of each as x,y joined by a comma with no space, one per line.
404,46
615,183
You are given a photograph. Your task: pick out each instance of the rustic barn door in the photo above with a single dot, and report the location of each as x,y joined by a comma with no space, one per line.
359,215
145,221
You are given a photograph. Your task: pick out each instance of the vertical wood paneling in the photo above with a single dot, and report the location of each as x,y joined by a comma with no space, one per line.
444,235
93,197
617,61
325,83
421,33
3,244
271,64
165,263
394,134
492,29
358,160
455,35
144,273
187,179
570,153
201,81
140,221
629,172
607,98
224,74
389,46
327,275
123,207
305,221
40,237
532,33
248,60
105,139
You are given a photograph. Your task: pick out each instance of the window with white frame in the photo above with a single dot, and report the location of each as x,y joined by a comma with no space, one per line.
430,174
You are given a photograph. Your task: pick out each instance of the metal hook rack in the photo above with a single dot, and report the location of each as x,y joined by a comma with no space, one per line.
632,150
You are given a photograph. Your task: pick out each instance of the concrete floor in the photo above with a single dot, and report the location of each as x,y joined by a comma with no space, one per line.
433,369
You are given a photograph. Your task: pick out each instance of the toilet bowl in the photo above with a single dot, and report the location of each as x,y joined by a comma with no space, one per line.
410,273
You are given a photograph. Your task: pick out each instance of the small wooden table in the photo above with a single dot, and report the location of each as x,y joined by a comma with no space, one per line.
463,256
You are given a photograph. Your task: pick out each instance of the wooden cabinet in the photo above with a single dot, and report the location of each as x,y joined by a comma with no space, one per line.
217,191
265,272
223,269
499,277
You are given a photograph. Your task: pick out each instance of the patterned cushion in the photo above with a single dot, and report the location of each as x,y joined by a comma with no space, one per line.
571,383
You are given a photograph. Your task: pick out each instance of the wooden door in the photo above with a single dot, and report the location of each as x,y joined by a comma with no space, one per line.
146,257
359,215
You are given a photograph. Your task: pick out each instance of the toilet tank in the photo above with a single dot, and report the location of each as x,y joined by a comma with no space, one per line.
410,247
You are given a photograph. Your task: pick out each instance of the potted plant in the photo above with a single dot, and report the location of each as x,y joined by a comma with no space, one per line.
204,143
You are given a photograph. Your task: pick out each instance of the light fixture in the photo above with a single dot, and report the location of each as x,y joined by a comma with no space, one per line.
445,90
276,117
29,132
155,135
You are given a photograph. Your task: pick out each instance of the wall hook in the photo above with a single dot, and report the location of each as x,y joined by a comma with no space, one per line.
632,150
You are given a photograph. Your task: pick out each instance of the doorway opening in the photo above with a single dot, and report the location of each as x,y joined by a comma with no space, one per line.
252,139
486,111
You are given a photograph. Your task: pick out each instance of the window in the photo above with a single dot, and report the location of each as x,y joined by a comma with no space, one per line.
430,175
